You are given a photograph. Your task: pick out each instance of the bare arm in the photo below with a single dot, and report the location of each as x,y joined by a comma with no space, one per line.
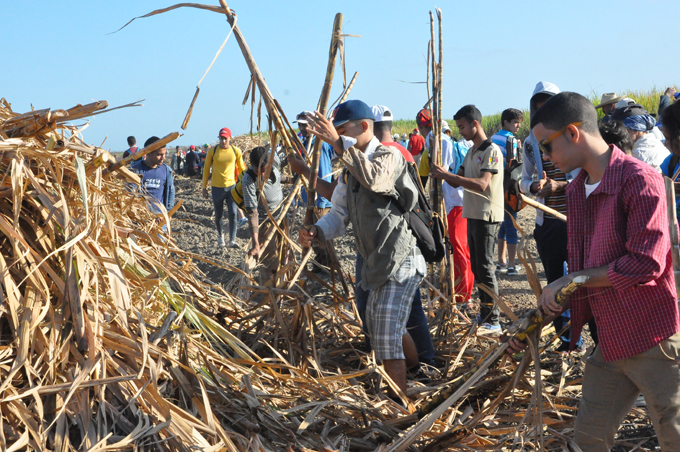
458,180
598,278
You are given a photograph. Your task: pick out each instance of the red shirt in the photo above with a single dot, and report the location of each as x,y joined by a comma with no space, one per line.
407,155
417,143
623,224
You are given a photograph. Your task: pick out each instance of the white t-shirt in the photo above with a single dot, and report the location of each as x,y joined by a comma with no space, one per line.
453,197
591,188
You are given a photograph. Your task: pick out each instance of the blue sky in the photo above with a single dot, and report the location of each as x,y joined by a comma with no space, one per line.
59,53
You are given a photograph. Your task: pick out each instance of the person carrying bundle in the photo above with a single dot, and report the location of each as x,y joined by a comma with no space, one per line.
225,161
618,236
375,179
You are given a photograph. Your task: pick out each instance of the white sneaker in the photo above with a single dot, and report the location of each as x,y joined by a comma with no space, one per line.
233,245
220,241
489,330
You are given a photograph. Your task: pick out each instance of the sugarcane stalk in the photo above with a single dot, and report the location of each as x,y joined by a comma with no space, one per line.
427,79
349,88
430,411
139,154
259,81
519,330
296,139
533,203
321,108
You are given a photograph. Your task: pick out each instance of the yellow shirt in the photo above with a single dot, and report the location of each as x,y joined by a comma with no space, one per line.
223,163
424,168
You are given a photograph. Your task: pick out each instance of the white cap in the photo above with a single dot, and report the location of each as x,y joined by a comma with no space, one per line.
395,137
381,113
626,101
301,118
445,126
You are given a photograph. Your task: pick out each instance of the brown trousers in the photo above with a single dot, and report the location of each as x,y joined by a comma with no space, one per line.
610,390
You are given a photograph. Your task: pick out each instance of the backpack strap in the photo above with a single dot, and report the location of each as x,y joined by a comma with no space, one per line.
673,164
510,147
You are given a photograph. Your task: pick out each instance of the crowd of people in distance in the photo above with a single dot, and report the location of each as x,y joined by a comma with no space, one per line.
605,176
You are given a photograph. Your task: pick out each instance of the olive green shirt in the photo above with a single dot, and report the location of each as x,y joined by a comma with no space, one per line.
487,206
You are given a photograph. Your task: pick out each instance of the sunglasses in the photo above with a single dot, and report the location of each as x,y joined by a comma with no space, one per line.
546,147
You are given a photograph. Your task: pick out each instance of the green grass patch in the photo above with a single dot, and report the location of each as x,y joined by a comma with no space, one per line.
492,123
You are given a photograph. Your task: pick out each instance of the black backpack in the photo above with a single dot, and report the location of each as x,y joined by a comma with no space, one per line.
426,226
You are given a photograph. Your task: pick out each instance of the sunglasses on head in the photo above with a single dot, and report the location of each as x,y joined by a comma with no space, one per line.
546,147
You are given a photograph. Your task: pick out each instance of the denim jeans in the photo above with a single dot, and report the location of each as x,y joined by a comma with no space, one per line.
507,231
416,324
219,196
482,243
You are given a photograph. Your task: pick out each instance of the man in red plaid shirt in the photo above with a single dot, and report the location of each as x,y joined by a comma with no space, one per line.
618,236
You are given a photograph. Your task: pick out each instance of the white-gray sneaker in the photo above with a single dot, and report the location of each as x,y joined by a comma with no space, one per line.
220,241
233,245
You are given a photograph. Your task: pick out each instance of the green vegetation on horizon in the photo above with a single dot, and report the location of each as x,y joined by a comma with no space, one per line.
492,123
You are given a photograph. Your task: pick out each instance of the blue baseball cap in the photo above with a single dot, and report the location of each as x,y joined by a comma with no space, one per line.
350,111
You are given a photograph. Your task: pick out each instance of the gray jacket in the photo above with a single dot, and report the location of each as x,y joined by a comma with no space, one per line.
366,196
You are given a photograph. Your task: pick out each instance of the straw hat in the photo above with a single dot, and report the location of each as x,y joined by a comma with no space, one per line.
608,98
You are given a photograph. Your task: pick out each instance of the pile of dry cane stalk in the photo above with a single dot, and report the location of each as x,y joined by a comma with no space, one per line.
109,338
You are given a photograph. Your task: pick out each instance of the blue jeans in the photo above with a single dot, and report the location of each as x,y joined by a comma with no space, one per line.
219,196
507,231
416,324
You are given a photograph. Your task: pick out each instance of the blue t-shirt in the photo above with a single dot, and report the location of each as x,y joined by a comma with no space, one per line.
153,180
325,170
666,171
501,140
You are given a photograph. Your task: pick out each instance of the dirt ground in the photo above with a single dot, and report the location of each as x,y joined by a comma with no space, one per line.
194,229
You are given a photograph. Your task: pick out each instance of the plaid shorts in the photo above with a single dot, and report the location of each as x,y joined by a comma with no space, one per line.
389,306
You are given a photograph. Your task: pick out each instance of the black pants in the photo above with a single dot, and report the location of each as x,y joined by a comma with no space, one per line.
551,242
482,243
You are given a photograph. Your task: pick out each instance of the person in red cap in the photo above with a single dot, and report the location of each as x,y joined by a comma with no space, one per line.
424,122
416,144
225,161
192,162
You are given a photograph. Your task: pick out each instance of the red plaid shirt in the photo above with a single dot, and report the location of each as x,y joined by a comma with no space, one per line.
623,224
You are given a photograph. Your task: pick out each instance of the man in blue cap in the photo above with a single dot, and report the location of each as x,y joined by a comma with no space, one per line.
375,179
